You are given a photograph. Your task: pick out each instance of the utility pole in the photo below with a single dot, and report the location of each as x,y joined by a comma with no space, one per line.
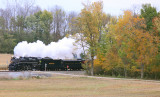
45,66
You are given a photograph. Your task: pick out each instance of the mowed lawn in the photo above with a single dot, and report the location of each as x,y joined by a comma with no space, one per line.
68,86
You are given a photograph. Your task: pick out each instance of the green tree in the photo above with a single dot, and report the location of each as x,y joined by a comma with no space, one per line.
156,62
39,25
148,13
59,23
7,43
46,21
31,28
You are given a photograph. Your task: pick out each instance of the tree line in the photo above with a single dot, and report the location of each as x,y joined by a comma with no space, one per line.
125,46
27,22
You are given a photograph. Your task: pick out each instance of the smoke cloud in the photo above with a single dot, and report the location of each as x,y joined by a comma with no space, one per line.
63,49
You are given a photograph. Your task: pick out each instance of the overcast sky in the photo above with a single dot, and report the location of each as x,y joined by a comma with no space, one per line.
113,7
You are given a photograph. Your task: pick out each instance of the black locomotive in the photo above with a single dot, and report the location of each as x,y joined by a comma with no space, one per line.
43,64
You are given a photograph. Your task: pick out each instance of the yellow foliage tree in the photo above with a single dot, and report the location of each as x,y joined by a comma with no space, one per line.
90,24
134,41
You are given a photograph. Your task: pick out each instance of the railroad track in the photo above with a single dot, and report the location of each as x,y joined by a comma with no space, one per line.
27,74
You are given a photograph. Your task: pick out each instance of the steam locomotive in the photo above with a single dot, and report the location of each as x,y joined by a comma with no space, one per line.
43,64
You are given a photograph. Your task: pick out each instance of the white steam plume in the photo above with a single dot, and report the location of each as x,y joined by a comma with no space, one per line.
63,49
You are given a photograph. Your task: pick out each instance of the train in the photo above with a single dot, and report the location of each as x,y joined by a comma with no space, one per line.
44,64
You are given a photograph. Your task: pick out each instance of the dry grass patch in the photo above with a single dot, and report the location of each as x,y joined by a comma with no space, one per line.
5,58
66,86
4,61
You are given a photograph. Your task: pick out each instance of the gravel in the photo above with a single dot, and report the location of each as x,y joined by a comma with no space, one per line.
28,74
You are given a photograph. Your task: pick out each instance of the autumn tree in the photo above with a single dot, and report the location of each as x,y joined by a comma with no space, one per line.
156,23
107,54
134,42
90,20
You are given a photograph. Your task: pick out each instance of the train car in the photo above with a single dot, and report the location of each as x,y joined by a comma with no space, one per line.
43,64
72,64
48,64
24,63
12,66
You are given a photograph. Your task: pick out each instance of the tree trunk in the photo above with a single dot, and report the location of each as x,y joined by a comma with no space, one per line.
100,35
142,71
125,72
92,72
112,73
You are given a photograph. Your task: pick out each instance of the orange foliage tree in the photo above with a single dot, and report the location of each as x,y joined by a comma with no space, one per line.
139,45
130,46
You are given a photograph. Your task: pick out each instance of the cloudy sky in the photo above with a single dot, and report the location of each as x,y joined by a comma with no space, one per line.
113,7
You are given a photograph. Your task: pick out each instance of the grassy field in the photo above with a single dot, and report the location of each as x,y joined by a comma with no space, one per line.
67,86
4,61
5,58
